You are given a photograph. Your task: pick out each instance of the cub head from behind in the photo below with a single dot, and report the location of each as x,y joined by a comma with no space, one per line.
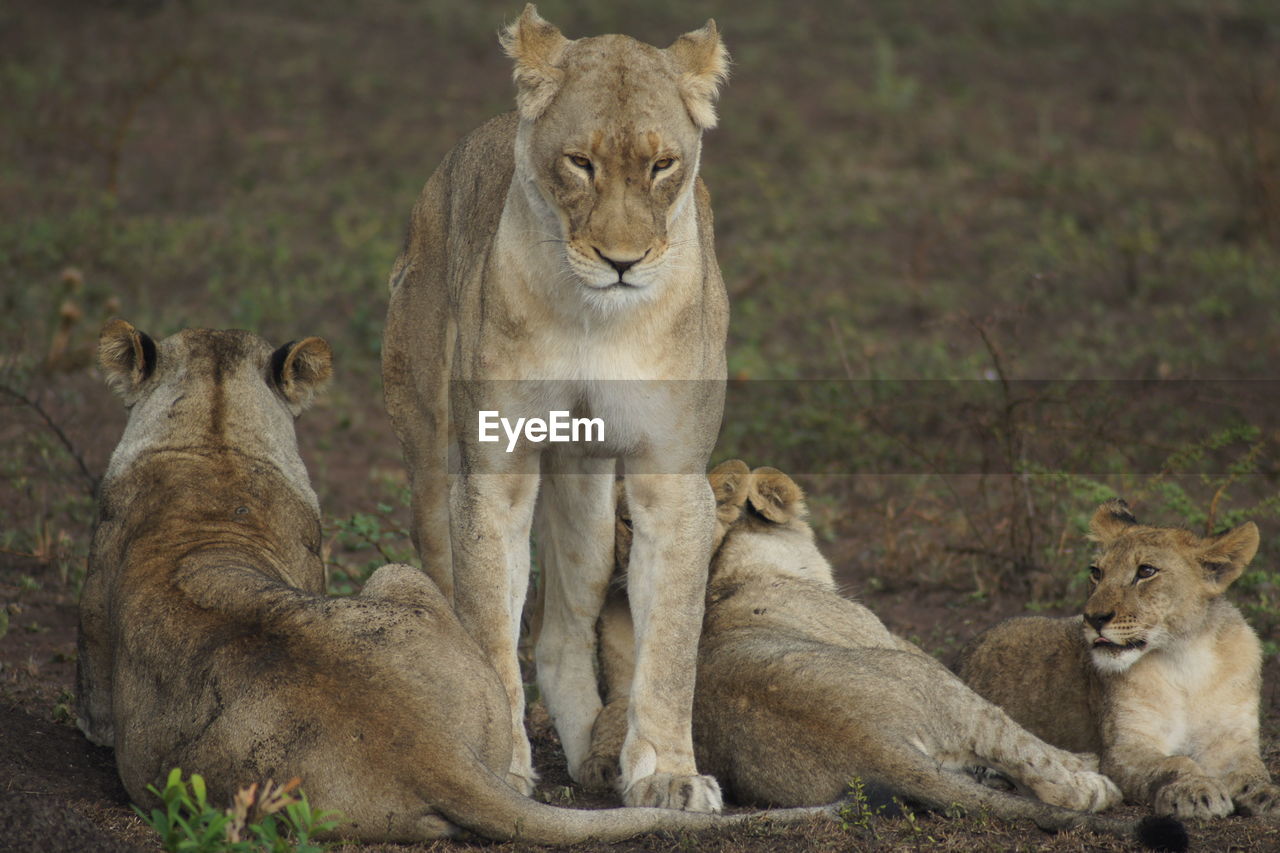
211,389
1152,587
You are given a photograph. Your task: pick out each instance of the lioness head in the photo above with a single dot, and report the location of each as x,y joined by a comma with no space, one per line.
1151,586
609,140
202,388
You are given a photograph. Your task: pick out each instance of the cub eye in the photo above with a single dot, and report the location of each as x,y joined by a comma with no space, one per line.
1095,574
663,164
581,162
1145,571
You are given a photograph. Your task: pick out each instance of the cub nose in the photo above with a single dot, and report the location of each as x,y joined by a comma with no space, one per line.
620,266
1098,620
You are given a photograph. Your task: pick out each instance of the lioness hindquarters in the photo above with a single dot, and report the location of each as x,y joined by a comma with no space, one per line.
565,245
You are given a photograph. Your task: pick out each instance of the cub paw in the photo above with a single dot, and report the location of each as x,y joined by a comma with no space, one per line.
1258,798
668,791
1084,791
598,773
1193,797
1082,761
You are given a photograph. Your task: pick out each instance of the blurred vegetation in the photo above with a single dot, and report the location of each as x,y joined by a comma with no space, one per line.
984,192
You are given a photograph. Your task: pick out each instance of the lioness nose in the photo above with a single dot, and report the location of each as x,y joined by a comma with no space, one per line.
1098,620
620,266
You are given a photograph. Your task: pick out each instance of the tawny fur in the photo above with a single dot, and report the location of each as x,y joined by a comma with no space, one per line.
207,643
1161,675
561,258
801,690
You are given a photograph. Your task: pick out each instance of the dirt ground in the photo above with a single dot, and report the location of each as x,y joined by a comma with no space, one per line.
989,192
60,793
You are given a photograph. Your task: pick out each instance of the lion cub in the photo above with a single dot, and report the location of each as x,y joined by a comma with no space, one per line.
207,643
1161,675
801,690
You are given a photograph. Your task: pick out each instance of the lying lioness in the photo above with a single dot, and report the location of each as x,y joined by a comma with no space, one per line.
207,643
1161,675
800,690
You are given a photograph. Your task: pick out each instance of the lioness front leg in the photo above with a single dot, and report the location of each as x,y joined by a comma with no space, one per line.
674,518
490,517
574,525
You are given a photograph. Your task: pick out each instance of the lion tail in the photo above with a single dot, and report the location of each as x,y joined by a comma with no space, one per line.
485,804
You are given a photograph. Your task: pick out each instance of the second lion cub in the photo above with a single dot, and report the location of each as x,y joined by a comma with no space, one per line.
1161,675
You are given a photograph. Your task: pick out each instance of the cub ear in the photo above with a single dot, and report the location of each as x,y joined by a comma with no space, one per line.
302,369
703,63
1226,555
1110,520
776,496
729,481
537,48
127,357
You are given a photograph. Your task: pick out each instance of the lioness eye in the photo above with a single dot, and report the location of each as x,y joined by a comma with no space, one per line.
1145,571
663,164
1095,574
581,162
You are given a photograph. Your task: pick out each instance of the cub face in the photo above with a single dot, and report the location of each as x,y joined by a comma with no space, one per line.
609,141
1152,586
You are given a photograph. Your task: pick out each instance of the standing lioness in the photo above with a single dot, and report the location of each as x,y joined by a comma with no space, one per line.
555,248
206,641
1161,675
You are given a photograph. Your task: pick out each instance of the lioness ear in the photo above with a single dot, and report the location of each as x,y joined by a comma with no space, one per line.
1110,520
704,66
127,357
775,496
537,47
1225,556
729,484
301,369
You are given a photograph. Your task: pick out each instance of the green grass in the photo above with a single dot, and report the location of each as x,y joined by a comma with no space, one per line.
284,821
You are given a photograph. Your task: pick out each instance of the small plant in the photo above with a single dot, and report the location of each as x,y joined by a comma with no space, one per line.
189,823
857,811
380,537
64,708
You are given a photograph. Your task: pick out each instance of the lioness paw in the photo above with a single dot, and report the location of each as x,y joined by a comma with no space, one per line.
668,791
599,773
1258,798
1193,797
